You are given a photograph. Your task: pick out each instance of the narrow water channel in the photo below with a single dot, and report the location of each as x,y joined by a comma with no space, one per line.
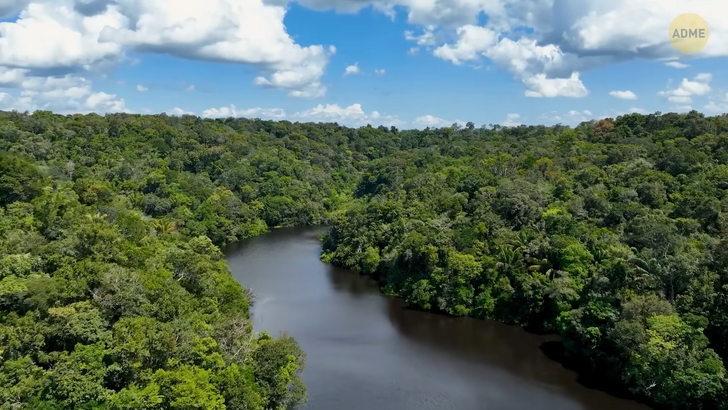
366,352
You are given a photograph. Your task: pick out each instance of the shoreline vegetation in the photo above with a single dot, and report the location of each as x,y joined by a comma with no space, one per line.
114,293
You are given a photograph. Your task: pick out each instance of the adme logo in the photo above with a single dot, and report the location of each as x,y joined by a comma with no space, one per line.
689,33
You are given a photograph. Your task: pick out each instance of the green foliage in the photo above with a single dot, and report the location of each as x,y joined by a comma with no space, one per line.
114,293
612,234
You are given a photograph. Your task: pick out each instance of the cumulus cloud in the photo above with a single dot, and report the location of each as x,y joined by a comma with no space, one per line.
176,111
562,37
232,111
352,69
352,115
70,36
623,95
688,89
53,35
512,120
66,94
431,121
333,112
103,102
719,106
540,86
614,113
525,58
571,117
380,71
472,41
142,88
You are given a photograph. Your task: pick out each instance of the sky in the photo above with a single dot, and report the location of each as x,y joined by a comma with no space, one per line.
406,63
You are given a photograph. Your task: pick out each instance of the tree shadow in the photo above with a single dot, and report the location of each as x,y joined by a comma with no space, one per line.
588,378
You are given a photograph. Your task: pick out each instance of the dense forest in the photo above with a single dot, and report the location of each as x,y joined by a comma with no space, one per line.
114,293
612,234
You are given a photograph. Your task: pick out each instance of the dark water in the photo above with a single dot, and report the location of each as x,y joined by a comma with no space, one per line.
365,352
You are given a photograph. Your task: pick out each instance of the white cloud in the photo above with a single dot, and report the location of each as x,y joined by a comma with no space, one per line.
566,36
684,93
472,41
431,121
352,115
526,59
332,112
613,113
352,69
379,71
623,95
103,102
190,87
704,77
683,108
142,88
387,120
94,35
720,106
413,51
54,35
676,64
68,94
427,38
540,86
572,117
232,111
679,99
10,77
176,111
512,120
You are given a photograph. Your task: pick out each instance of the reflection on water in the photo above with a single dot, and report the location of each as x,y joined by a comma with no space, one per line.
365,351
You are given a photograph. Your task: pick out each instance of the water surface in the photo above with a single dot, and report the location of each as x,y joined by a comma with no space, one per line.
366,352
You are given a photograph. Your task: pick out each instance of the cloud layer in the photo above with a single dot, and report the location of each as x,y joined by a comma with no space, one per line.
548,45
77,36
564,37
682,96
353,115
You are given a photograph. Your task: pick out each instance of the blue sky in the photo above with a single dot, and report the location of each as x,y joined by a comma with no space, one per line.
471,67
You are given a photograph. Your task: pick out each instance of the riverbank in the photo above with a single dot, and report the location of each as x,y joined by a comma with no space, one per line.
366,350
551,346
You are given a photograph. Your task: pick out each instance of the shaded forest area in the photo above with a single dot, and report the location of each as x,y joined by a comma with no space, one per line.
114,294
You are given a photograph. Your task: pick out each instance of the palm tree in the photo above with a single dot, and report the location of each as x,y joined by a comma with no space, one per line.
164,227
507,257
649,271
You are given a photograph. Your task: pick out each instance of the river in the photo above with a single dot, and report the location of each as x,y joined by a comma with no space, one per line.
366,352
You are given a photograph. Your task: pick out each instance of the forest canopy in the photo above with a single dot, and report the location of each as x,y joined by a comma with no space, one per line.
114,293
